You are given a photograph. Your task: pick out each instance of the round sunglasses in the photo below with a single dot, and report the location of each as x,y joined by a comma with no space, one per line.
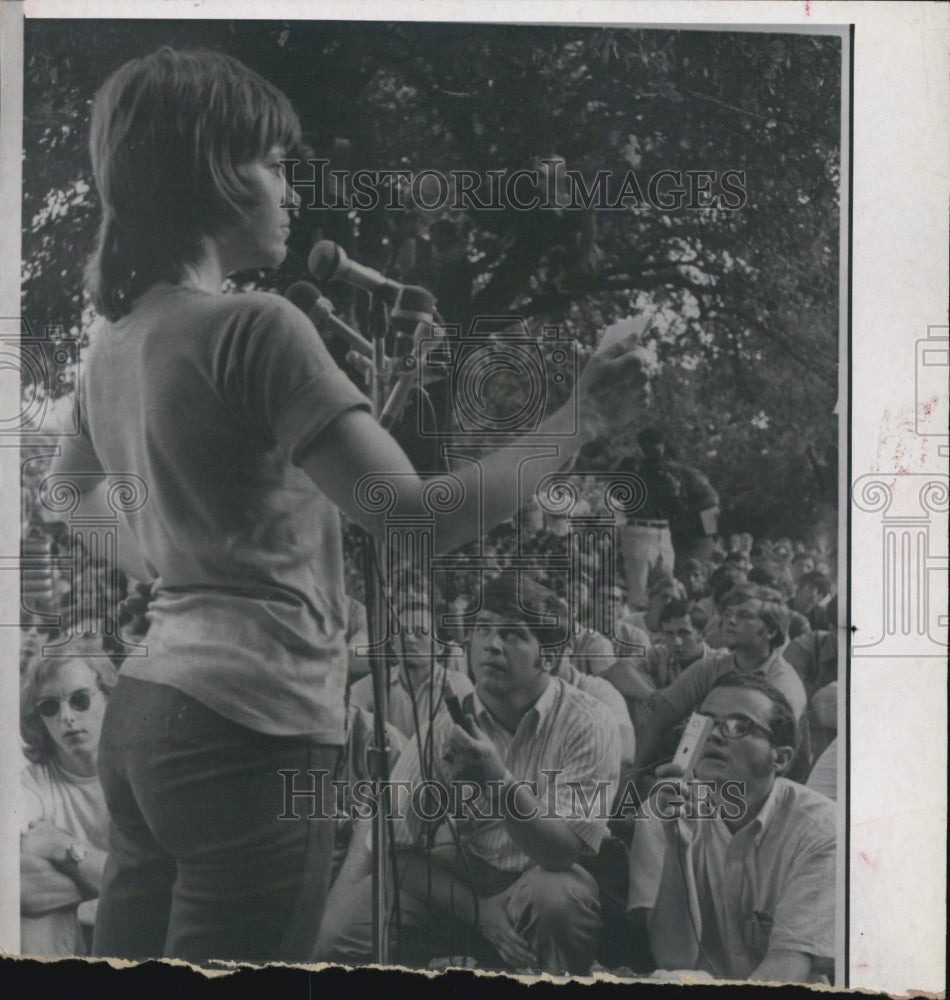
79,701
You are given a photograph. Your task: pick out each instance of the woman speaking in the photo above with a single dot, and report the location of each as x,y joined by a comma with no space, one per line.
250,441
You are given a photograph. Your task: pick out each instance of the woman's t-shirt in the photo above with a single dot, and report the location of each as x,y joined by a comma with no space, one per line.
210,402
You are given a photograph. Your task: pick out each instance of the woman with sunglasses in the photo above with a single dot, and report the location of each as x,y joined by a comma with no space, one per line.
65,823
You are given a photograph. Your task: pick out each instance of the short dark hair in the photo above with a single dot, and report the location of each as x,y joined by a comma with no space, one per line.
783,726
522,600
722,579
38,745
651,436
678,608
820,581
168,131
773,612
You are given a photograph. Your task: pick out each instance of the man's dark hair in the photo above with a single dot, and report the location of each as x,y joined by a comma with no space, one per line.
678,608
782,724
722,579
820,581
521,600
651,436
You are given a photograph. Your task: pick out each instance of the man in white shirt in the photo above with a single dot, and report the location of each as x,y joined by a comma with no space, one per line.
738,880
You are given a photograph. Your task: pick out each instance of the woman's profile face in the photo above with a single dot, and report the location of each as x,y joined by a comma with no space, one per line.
73,689
259,239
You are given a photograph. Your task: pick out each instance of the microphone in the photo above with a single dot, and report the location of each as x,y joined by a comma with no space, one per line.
415,305
328,262
308,300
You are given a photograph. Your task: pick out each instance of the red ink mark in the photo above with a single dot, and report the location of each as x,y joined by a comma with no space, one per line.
807,8
867,860
862,965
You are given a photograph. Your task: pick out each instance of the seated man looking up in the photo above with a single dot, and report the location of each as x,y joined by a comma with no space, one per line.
734,872
639,678
532,752
416,684
754,622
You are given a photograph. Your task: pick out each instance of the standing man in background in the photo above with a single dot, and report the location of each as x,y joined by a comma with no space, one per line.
676,520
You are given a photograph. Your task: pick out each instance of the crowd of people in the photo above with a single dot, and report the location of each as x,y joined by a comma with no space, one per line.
537,696
747,634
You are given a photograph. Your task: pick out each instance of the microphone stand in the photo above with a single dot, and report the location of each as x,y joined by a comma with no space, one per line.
413,305
377,629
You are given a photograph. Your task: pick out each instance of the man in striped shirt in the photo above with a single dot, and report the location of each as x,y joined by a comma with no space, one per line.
528,781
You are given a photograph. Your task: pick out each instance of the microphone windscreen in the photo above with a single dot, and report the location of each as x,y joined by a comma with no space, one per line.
324,260
303,295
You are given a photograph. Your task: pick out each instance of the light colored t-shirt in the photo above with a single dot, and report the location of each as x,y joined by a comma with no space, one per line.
75,804
212,401
769,885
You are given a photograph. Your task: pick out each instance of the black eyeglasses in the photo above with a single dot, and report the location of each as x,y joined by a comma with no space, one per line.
79,701
734,727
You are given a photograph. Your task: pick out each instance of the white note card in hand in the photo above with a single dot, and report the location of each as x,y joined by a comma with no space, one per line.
630,329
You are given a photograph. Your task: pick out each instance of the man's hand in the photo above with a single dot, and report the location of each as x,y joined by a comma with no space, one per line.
672,796
494,925
45,840
471,755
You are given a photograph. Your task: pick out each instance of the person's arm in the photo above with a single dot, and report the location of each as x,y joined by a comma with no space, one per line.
672,704
77,459
627,676
783,966
354,446
47,841
43,887
549,841
46,867
663,718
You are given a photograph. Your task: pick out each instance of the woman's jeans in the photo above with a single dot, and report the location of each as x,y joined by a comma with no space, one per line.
200,864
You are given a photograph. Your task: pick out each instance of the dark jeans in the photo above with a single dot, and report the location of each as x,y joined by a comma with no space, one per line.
200,866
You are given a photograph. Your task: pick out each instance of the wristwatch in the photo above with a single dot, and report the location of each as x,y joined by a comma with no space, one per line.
76,853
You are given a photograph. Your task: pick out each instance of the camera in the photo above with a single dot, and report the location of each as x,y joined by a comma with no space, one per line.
47,369
498,376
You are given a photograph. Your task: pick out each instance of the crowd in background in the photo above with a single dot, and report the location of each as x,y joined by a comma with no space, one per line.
629,655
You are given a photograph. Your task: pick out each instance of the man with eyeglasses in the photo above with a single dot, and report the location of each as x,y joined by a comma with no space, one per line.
754,625
734,871
506,872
